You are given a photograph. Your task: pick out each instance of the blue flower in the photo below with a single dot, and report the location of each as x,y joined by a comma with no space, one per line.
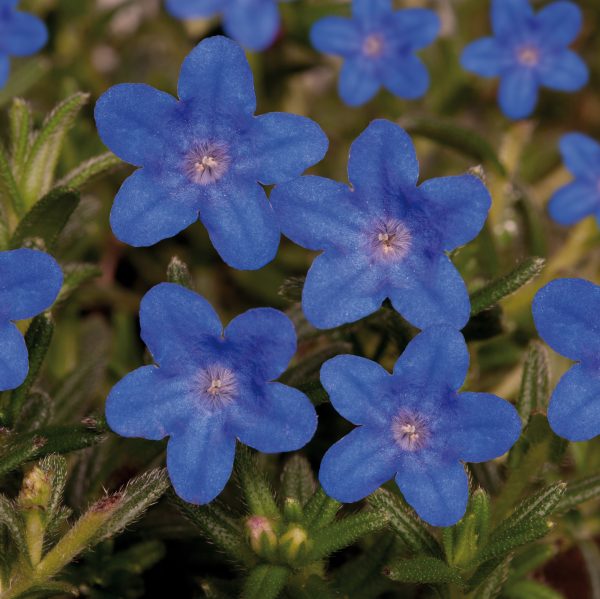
252,23
21,34
529,51
203,156
581,197
565,313
414,425
378,45
384,237
29,283
210,388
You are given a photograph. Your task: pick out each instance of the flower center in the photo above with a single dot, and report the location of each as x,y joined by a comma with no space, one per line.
410,430
207,162
528,56
373,45
391,239
218,385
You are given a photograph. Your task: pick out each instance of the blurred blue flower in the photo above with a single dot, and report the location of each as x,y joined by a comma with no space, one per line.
210,388
414,425
21,34
29,283
252,23
529,51
581,197
384,237
565,313
203,156
378,45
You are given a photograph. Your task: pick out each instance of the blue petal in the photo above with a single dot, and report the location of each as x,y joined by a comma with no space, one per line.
318,213
565,312
152,206
416,27
148,403
29,283
176,323
574,411
358,464
383,161
356,389
511,18
458,205
437,489
265,338
358,84
200,459
406,77
202,81
280,419
241,223
484,57
482,427
4,69
559,23
574,202
581,154
14,361
437,358
253,23
284,146
341,289
336,35
435,295
564,72
371,11
138,123
22,34
185,9
518,93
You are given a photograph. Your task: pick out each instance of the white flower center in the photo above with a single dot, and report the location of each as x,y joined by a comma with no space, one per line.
207,162
390,240
218,384
373,45
528,56
410,430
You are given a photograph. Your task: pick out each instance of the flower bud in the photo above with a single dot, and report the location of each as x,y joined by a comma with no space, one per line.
294,544
262,536
36,489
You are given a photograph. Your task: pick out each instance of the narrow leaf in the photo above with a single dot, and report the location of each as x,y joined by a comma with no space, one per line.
256,488
492,586
179,273
320,510
75,275
90,169
533,394
530,589
8,184
20,130
10,517
530,559
423,570
578,492
265,582
297,479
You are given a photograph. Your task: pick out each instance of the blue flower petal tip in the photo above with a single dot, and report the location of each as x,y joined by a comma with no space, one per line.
379,47
252,23
31,281
414,426
384,237
205,155
565,315
529,51
209,388
21,34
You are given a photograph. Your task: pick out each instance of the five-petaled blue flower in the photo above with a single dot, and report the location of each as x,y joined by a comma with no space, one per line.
384,237
21,34
203,156
29,283
378,45
210,388
414,425
566,316
581,197
528,51
252,23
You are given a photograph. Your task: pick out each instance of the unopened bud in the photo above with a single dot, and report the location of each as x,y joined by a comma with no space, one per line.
262,536
293,544
36,489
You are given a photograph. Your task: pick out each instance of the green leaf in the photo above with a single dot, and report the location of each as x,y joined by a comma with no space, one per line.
10,517
535,382
8,184
47,218
530,559
90,169
20,131
50,589
136,559
320,510
578,492
492,586
75,275
423,570
35,412
297,479
310,588
256,488
265,582
411,530
493,292
530,589
179,273
55,466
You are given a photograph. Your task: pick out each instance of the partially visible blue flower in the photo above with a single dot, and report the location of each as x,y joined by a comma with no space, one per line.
21,34
204,156
29,283
529,51
252,23
378,45
210,388
414,425
565,312
581,197
384,237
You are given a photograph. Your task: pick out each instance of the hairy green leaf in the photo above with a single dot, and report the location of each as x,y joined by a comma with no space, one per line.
423,570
